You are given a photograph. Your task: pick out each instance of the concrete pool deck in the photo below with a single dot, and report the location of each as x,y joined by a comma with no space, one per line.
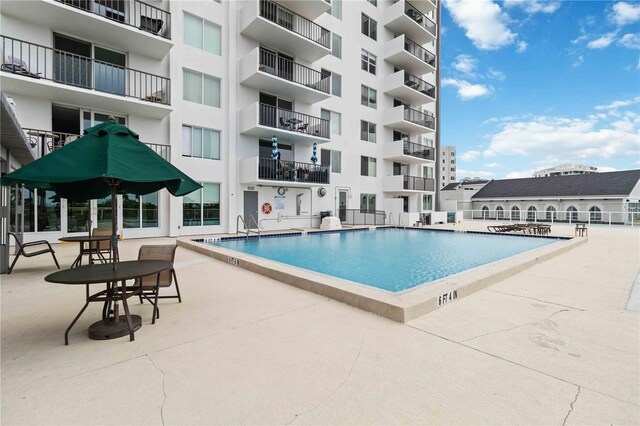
550,345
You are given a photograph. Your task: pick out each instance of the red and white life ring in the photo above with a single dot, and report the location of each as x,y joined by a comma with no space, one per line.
266,208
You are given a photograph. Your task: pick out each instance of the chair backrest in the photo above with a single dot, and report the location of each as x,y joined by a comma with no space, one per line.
102,232
158,252
12,60
17,238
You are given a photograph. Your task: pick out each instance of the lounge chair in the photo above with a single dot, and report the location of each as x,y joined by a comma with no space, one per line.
150,285
18,66
150,25
157,96
22,246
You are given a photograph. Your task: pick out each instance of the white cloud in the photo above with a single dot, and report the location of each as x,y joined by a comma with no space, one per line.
483,21
522,47
577,61
496,74
493,165
605,169
520,175
604,41
631,41
469,155
638,66
462,173
466,90
466,64
534,6
580,39
572,138
623,13
618,104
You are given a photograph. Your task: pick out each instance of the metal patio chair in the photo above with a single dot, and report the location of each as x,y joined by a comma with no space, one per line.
22,246
150,285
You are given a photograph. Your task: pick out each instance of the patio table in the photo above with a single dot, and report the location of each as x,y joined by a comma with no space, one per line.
83,239
109,327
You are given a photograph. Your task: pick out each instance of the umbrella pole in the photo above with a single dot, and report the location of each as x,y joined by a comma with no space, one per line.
114,227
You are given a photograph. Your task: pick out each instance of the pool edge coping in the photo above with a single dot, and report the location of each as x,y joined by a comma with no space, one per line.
401,307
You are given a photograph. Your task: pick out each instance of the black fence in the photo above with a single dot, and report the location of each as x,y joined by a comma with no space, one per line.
292,171
419,84
41,62
419,17
132,13
293,121
419,52
416,150
362,217
415,183
285,68
420,118
293,22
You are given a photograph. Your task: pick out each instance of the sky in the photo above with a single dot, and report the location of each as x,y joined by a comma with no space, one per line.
533,84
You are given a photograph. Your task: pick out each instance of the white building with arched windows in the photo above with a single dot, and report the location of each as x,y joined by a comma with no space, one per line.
612,197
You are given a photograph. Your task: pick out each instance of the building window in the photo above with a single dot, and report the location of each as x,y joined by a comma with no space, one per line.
368,97
336,9
202,207
573,213
595,214
201,88
202,34
200,143
500,212
42,211
335,118
453,161
336,81
427,141
453,169
485,212
368,166
336,45
515,213
336,161
532,213
551,213
369,27
427,172
427,202
368,61
368,202
367,131
140,211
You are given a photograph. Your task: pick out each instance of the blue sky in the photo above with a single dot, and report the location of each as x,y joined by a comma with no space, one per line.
533,84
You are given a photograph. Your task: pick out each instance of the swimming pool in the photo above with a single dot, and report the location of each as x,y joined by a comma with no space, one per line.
386,258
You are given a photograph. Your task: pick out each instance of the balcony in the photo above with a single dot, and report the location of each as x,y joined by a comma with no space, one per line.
309,8
403,17
409,88
264,70
257,170
132,26
403,183
39,71
408,152
406,54
273,25
46,141
265,121
409,120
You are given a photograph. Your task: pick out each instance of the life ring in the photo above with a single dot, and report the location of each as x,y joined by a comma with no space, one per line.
266,208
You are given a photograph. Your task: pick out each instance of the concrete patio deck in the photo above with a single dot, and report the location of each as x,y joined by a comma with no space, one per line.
551,345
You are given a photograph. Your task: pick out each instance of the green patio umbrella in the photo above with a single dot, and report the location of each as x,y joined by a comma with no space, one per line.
107,160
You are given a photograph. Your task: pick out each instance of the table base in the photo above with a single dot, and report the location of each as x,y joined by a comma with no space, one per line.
106,329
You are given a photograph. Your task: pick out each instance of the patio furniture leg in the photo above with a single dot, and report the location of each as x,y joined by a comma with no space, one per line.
156,311
55,260
106,308
177,287
126,311
86,303
14,261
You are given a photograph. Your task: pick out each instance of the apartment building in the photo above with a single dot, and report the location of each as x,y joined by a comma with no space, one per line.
566,170
347,90
447,164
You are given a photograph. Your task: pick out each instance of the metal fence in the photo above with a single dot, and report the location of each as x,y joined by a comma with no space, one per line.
420,118
420,18
556,216
362,217
293,22
417,183
292,171
41,62
133,13
285,68
293,121
416,83
418,51
416,150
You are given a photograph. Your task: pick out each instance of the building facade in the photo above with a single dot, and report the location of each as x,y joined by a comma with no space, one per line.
210,85
457,196
447,165
566,170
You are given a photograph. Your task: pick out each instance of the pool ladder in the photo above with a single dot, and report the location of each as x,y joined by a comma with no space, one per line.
393,222
248,230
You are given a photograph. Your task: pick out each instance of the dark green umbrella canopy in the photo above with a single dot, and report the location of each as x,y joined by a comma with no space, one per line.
109,156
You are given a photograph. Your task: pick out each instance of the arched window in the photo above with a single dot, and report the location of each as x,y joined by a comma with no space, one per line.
485,212
500,212
531,213
595,214
515,213
551,213
573,213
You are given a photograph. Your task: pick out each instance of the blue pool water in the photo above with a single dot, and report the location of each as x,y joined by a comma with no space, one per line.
389,259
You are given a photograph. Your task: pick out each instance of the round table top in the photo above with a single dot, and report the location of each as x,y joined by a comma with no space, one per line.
103,272
85,238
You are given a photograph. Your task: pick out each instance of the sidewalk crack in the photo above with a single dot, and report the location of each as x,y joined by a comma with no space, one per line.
164,392
564,422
